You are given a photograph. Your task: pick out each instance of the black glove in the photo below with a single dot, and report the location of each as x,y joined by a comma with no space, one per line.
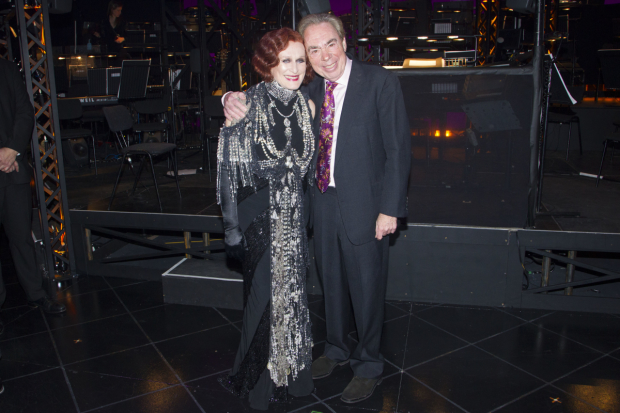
234,241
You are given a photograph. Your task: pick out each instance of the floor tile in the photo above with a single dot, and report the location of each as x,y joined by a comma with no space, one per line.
86,307
98,338
21,321
174,399
141,296
45,392
527,314
232,315
119,376
173,320
319,330
538,351
26,355
15,296
412,307
392,312
81,285
470,324
317,308
200,354
599,331
475,380
548,400
398,393
410,341
597,384
215,399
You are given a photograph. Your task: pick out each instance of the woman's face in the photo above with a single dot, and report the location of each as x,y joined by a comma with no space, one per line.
116,13
290,72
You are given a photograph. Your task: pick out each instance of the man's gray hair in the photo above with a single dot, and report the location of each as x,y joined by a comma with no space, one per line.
312,19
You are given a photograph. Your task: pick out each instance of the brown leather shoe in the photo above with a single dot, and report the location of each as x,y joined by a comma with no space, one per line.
359,389
323,367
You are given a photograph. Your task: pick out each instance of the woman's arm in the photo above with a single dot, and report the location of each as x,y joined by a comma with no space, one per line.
234,241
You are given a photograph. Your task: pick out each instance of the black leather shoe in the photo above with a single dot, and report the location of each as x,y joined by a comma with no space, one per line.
323,367
47,305
359,389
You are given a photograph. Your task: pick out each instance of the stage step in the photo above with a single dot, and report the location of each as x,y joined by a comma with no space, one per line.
208,283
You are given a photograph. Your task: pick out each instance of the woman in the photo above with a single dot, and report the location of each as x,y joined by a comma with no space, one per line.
113,28
263,170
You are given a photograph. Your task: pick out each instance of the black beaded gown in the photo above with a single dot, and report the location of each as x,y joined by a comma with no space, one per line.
274,354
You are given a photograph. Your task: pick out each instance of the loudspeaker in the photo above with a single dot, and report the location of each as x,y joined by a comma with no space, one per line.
313,6
75,151
60,6
522,6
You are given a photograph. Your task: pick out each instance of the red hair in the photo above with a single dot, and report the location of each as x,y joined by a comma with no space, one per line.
269,47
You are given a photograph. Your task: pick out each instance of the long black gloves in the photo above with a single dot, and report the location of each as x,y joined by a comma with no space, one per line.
234,241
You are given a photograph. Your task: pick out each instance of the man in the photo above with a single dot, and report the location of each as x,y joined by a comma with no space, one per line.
16,123
363,162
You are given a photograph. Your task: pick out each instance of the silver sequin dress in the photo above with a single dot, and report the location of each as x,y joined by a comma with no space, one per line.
267,157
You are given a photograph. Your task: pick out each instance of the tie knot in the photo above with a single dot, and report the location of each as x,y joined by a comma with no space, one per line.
331,85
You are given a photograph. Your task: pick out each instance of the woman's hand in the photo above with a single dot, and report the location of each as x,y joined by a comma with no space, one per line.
234,243
97,35
119,40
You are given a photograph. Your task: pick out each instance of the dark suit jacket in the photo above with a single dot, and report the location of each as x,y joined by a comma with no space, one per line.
16,121
373,149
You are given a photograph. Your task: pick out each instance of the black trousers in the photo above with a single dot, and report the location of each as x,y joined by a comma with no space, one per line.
352,275
16,218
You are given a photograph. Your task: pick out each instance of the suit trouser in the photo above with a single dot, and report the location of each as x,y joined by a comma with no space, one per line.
352,275
16,218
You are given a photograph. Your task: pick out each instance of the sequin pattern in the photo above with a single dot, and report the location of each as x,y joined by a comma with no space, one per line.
290,345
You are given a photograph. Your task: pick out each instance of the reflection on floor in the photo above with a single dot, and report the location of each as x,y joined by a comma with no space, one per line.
119,349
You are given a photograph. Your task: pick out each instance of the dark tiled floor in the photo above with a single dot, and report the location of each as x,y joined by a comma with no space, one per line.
119,348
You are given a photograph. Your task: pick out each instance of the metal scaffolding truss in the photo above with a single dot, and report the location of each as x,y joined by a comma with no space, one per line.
486,26
370,18
38,69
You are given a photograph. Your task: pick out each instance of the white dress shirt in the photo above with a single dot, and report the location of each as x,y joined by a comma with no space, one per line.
339,93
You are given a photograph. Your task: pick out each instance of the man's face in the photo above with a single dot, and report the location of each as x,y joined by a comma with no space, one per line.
326,50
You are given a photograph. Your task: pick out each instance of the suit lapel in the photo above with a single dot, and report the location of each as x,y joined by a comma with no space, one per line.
352,99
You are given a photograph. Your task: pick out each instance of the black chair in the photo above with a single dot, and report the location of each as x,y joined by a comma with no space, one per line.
71,110
214,118
561,113
151,108
120,121
607,142
565,116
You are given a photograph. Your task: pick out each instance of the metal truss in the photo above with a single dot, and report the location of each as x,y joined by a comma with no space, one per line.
370,18
563,248
486,26
38,69
552,8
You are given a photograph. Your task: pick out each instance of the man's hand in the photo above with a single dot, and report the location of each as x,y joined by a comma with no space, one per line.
385,226
234,107
7,159
13,168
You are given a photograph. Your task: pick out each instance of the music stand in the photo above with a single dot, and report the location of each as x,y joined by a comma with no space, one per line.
134,78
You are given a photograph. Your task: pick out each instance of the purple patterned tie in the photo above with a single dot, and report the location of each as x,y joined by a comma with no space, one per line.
326,137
